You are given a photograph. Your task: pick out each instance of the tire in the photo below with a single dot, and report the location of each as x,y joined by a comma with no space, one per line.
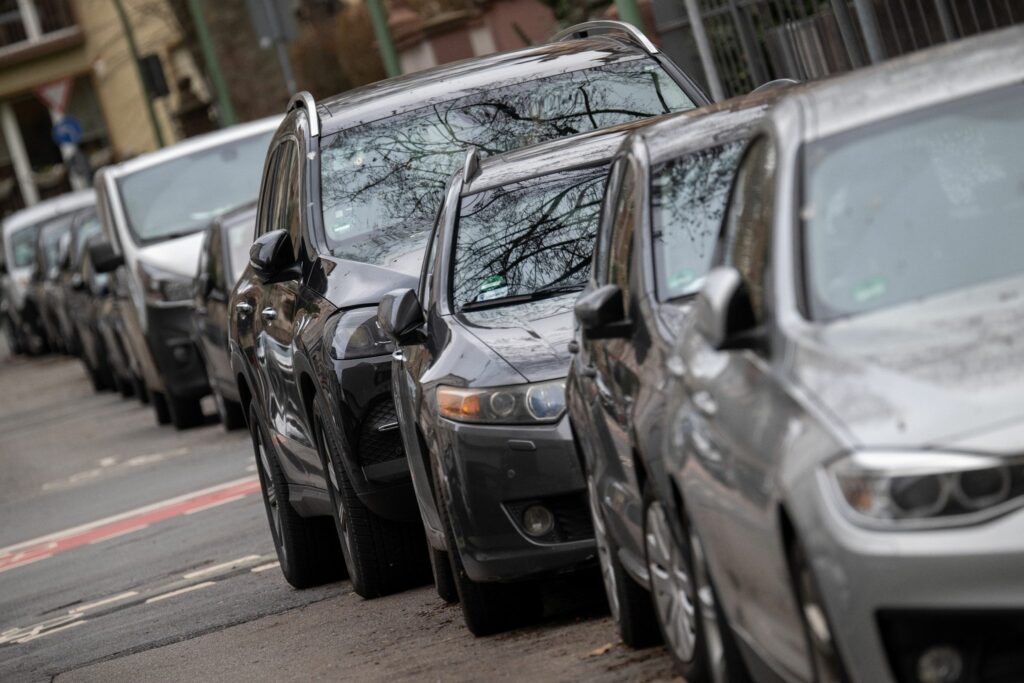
95,379
124,387
231,415
141,392
307,548
381,556
186,413
825,661
444,580
161,408
629,603
487,608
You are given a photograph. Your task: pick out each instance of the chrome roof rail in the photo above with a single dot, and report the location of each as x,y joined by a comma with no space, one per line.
471,167
607,26
305,100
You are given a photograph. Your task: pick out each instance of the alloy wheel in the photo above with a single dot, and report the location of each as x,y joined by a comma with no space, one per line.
710,626
672,584
269,491
604,551
343,521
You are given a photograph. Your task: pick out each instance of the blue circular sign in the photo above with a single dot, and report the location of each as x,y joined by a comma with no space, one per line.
67,131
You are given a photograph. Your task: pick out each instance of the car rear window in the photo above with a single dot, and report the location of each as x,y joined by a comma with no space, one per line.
383,182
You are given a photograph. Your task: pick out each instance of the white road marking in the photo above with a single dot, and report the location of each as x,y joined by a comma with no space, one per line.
100,603
120,533
214,504
46,633
16,634
187,589
265,567
110,461
124,515
233,564
23,564
250,468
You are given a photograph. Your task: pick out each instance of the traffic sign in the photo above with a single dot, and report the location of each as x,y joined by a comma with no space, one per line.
67,131
55,95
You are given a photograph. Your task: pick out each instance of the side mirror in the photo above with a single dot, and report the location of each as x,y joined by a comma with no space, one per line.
104,258
724,313
400,315
271,254
601,313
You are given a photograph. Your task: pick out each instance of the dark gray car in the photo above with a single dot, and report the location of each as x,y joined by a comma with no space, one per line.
479,379
846,441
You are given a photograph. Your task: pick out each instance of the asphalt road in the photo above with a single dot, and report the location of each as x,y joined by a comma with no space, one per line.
134,552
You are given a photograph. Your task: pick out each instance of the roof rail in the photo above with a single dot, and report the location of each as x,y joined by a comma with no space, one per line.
471,167
607,26
305,101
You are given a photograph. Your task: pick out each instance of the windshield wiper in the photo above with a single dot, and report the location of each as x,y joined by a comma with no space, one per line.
542,293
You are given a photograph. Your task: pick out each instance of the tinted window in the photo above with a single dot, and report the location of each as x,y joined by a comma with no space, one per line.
23,245
620,252
49,240
748,227
688,198
916,206
184,194
383,182
88,225
524,238
239,240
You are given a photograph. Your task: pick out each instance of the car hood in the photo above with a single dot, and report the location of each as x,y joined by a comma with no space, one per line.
348,283
179,256
533,337
937,373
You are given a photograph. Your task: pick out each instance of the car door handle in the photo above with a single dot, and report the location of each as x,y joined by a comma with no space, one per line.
268,314
705,403
397,355
243,308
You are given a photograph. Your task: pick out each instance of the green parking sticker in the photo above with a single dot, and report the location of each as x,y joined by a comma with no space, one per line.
870,289
681,278
492,287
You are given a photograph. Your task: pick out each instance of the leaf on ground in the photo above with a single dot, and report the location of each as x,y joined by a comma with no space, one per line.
597,652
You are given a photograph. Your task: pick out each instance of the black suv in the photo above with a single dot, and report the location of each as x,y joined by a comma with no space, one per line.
350,190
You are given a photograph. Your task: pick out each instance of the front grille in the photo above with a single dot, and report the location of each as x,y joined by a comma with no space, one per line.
379,438
572,517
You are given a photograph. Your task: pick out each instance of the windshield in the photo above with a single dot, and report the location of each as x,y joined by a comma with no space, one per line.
915,206
526,239
185,194
49,240
688,198
23,245
240,236
383,182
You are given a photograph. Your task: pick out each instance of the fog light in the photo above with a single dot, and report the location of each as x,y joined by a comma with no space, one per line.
538,520
940,664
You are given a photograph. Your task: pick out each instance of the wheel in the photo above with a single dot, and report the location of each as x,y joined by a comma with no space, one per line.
230,412
141,391
186,413
307,547
824,659
160,407
487,608
382,556
444,580
124,387
721,653
674,592
629,603
94,377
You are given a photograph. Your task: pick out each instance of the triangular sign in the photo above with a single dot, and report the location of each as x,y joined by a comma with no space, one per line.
55,95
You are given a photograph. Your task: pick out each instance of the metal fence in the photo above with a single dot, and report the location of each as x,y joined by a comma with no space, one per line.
739,44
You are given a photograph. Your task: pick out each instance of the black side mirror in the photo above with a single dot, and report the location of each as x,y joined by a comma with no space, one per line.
602,314
104,258
400,315
724,313
272,254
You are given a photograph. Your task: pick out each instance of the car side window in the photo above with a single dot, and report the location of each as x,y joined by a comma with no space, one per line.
285,209
214,265
748,224
604,230
265,210
623,224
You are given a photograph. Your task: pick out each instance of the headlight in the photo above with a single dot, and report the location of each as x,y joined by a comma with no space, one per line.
161,286
359,335
927,489
519,404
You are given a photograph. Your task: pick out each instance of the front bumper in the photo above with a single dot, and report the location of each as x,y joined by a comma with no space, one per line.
492,474
891,596
169,339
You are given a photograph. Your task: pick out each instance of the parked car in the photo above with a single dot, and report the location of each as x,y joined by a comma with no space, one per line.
222,258
20,232
662,212
84,225
109,324
844,458
153,210
51,244
479,376
312,364
85,291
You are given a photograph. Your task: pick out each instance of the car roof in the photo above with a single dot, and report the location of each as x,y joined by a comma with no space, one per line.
577,151
48,208
193,145
443,83
919,80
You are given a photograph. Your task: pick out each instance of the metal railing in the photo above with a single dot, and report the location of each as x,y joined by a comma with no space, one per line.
30,21
743,43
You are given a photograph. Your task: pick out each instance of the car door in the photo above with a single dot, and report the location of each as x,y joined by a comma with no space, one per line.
215,337
280,318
